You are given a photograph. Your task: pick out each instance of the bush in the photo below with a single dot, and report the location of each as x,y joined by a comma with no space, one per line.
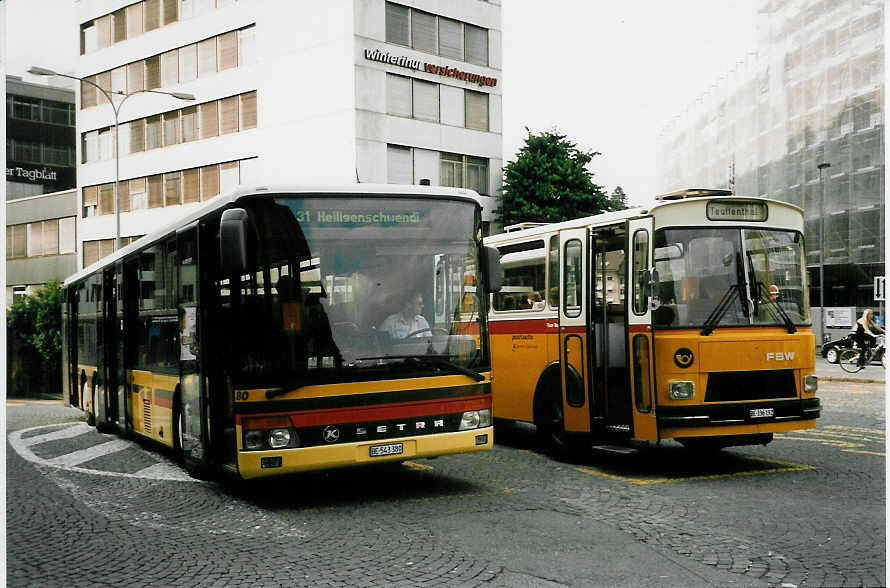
34,344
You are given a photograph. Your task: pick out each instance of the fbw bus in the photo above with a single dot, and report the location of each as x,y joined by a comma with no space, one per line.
688,320
247,336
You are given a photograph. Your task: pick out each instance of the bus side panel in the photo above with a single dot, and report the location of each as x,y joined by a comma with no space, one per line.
520,350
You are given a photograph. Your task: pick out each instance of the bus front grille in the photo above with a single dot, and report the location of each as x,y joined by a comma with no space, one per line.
750,385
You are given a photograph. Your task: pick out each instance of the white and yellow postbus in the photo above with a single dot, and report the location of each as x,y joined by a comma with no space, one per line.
688,320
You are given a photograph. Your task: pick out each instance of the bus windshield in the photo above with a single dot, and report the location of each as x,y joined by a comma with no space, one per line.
357,288
756,275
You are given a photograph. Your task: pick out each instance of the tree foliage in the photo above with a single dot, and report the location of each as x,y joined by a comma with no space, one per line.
549,182
617,199
34,343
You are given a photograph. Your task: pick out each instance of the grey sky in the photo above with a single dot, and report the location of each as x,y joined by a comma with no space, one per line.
608,73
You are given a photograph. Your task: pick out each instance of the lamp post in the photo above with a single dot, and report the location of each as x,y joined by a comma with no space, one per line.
42,71
822,166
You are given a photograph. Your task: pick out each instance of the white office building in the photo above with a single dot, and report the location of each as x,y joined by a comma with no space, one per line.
285,92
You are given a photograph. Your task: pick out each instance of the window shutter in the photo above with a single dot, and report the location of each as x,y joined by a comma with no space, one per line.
207,57
248,110
153,72
106,247
209,120
172,189
247,45
423,31
103,80
155,191
103,26
398,95
90,253
67,234
136,76
190,185
397,24
51,237
88,93
477,110
426,101
90,195
209,182
119,79
189,124
228,50
450,39
152,14
106,199
120,25
20,241
171,128
399,168
171,11
124,188
35,239
170,68
228,176
137,135
134,20
476,44
228,115
188,63
138,195
153,132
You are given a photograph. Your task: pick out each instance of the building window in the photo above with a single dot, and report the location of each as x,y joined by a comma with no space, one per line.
476,110
464,171
41,238
426,100
398,95
436,34
399,165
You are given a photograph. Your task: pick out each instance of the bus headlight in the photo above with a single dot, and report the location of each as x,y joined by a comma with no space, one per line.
682,390
810,383
253,440
475,419
279,438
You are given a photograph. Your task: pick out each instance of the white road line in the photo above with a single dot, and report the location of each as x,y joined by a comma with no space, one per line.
163,470
66,433
84,455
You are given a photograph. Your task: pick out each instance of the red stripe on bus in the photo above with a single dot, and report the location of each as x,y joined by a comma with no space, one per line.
639,328
378,413
522,326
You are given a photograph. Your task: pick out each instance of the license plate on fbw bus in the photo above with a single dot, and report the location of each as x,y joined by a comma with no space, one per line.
762,413
388,449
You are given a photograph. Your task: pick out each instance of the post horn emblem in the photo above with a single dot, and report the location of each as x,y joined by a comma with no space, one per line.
684,357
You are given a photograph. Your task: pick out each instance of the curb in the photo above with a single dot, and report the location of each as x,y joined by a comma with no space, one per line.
843,379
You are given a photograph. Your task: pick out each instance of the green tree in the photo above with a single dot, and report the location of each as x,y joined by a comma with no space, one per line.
617,199
34,343
549,182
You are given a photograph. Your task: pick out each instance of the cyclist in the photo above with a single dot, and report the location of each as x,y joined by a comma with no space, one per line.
865,334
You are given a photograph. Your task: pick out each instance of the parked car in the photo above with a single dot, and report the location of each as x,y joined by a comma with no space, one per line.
831,350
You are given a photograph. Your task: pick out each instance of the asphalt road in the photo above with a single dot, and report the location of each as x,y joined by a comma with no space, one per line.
85,509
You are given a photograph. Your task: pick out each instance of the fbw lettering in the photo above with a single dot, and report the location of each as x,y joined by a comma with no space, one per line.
780,356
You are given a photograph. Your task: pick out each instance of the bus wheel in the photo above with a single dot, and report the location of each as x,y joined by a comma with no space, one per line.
550,423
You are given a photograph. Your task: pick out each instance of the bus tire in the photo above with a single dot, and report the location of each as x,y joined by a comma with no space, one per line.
550,421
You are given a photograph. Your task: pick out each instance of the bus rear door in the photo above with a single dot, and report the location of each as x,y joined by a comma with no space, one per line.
639,327
573,330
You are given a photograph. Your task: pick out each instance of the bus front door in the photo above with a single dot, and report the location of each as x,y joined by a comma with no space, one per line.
639,327
573,331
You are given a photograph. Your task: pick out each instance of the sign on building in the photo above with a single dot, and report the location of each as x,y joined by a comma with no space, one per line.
879,289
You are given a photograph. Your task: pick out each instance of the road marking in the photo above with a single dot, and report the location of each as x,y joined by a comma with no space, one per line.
417,466
783,467
847,439
164,469
84,455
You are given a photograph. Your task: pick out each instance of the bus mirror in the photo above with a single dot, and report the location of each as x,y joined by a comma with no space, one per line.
494,273
233,241
654,300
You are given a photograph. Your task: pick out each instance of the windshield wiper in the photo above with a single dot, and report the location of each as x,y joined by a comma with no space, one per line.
776,309
435,361
719,310
752,280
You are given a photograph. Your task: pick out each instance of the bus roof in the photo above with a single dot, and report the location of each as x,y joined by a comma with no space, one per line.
617,216
223,200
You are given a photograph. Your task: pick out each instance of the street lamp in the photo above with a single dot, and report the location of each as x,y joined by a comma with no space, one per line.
42,71
822,166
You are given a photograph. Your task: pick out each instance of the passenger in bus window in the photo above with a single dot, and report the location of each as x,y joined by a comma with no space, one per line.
535,302
408,321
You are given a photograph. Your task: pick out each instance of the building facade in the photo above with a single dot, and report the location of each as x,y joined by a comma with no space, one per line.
41,200
285,93
802,122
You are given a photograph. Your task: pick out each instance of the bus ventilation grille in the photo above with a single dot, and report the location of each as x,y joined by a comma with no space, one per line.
753,385
146,415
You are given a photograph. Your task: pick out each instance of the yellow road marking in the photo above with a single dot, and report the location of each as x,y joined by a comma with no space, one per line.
785,467
418,466
865,452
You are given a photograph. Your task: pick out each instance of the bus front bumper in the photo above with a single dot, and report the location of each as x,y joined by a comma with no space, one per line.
256,464
738,418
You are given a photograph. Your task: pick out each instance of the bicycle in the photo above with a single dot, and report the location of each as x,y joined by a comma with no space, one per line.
849,359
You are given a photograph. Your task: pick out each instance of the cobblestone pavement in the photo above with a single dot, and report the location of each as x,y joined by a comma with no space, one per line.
807,510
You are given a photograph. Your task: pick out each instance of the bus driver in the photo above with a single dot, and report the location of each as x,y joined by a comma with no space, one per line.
407,321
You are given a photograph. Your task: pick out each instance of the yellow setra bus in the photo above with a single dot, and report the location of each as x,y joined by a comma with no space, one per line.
280,330
688,320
